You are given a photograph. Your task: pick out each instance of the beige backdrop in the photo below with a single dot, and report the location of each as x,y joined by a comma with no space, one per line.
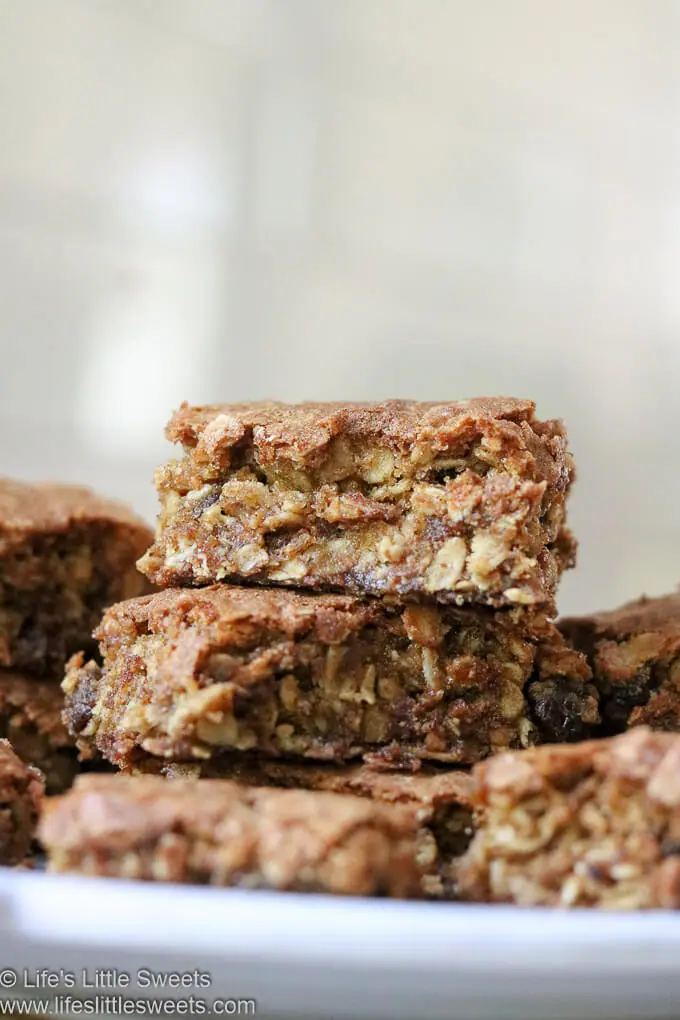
211,200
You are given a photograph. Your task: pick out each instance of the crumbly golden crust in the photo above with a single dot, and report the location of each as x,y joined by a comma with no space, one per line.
221,833
595,824
21,793
457,502
31,719
302,432
189,674
634,652
65,554
440,798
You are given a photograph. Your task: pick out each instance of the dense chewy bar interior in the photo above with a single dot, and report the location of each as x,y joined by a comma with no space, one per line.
189,674
65,554
222,833
634,652
458,502
595,824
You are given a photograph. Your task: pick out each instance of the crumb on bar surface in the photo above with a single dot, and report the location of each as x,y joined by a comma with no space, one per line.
440,799
460,502
218,832
595,824
65,554
634,652
21,794
31,719
189,674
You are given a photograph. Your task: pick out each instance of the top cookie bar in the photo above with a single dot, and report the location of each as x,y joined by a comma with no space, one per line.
65,554
458,502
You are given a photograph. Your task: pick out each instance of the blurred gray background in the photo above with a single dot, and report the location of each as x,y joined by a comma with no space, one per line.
215,200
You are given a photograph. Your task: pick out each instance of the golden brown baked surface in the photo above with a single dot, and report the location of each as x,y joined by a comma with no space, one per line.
65,553
21,794
457,502
31,719
188,674
634,652
595,824
222,833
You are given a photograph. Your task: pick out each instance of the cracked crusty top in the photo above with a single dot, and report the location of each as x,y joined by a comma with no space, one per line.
640,755
28,508
301,433
333,617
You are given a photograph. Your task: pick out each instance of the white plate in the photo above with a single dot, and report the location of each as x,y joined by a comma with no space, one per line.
316,956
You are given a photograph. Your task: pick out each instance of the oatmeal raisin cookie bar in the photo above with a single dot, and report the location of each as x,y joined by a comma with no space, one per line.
455,502
595,824
440,799
188,674
216,832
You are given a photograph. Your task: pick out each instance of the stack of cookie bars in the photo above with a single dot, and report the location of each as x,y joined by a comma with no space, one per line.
342,584
356,605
